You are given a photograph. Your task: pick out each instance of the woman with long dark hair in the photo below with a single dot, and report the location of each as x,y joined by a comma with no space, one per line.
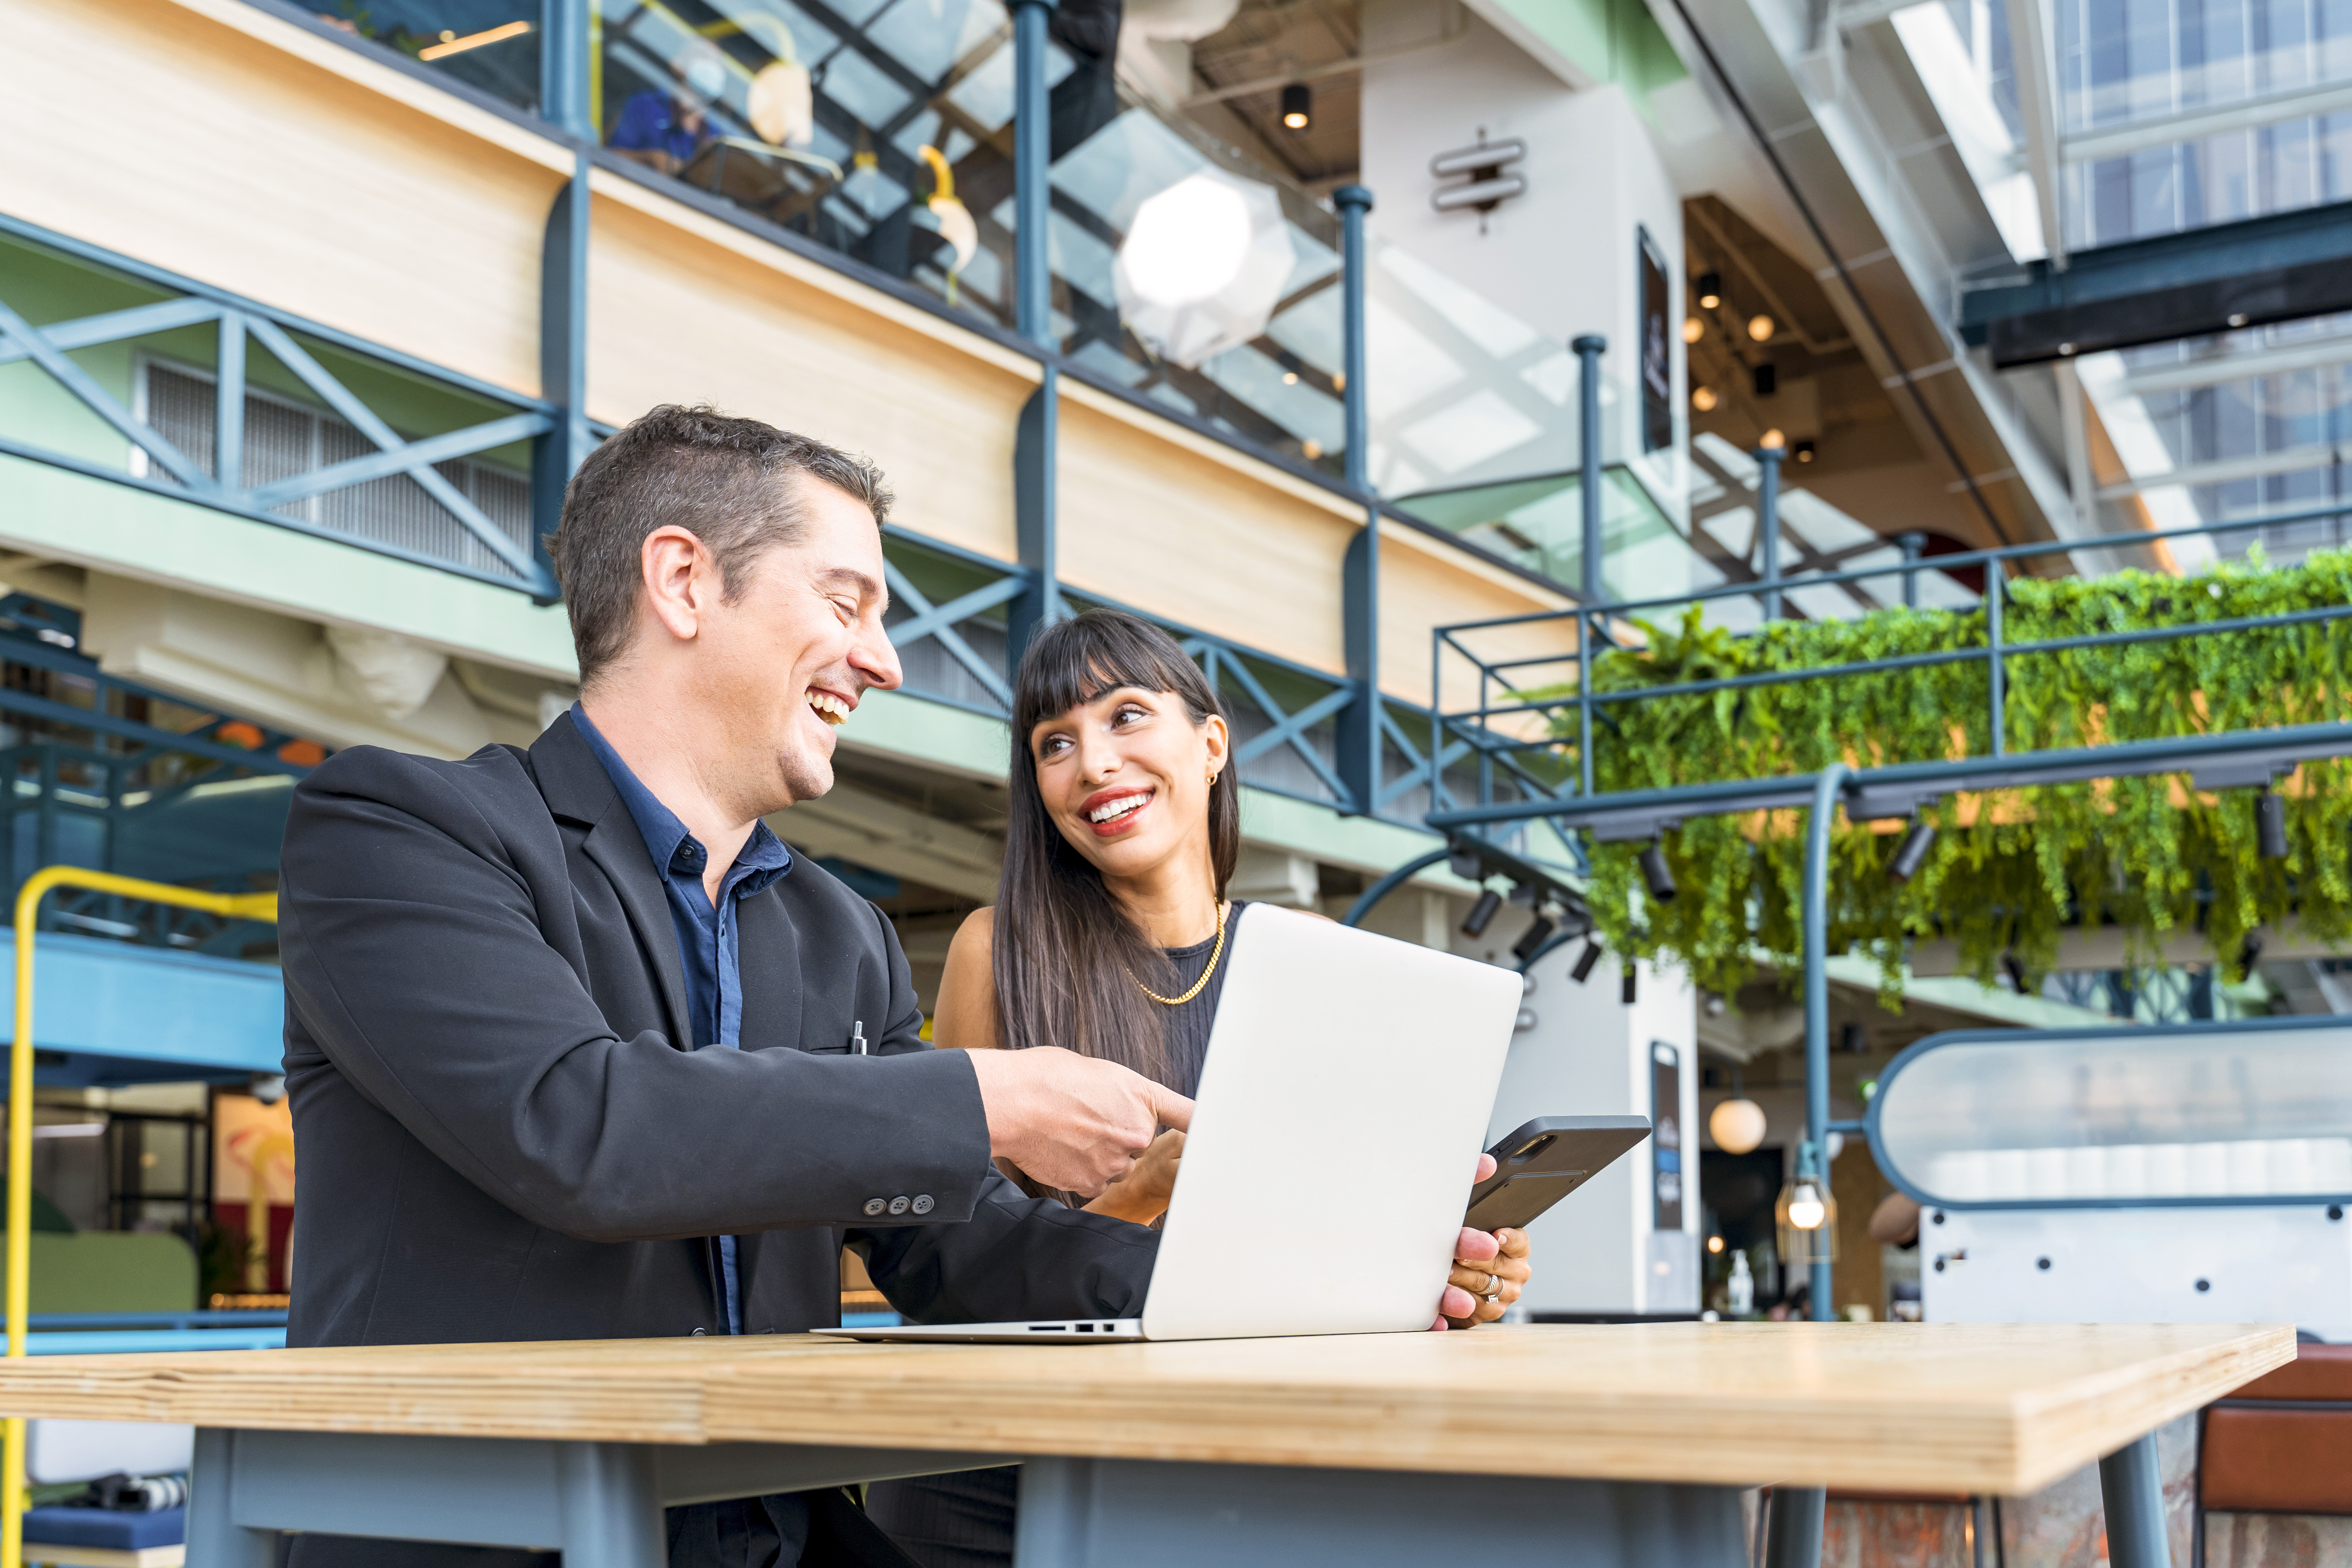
1108,938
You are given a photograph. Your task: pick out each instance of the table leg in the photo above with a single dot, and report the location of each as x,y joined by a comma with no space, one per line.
1792,1527
1133,1513
215,1537
611,1506
2131,1483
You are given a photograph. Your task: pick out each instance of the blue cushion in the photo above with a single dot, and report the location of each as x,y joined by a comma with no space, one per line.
104,1527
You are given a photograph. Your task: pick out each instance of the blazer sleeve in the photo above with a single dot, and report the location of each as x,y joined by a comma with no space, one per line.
415,958
1018,1256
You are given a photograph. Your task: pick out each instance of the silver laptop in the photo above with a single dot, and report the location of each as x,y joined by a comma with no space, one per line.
1347,1075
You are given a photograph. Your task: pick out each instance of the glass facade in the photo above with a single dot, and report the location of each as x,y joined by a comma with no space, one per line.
492,44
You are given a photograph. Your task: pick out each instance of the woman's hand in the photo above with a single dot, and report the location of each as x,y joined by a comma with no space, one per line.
1489,1272
1142,1195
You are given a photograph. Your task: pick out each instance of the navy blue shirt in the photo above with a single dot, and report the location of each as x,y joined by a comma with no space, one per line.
709,934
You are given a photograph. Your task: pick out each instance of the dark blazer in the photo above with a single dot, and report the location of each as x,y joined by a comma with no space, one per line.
504,1133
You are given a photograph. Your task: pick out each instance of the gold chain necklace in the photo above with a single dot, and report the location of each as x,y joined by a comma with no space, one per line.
1215,953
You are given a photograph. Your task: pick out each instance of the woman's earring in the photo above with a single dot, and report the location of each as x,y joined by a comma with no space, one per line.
1213,778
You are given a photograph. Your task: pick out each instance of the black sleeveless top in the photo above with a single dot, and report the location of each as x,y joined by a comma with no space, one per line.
1186,1028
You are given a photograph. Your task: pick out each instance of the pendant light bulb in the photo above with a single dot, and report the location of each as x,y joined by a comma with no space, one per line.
1297,106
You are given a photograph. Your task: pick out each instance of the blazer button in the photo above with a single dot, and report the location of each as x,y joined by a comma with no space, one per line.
922,1204
875,1205
898,1204
698,1333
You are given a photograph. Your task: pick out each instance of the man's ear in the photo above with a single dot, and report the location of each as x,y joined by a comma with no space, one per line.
679,578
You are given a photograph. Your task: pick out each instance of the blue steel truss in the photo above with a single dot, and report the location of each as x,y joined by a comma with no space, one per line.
1285,714
217,484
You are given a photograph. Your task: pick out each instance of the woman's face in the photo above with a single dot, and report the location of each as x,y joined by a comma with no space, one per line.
1126,777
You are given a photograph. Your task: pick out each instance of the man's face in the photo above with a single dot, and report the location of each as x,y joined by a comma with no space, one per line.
791,657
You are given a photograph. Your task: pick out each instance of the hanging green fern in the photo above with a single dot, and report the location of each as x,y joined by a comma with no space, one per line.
2009,871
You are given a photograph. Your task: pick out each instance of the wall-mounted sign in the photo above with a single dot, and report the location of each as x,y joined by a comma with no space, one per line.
1665,1137
1657,352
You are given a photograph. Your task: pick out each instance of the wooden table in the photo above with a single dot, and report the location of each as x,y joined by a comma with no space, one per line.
1600,1446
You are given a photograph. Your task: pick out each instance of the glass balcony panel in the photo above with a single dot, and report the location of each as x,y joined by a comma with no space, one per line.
881,129
2255,1114
491,45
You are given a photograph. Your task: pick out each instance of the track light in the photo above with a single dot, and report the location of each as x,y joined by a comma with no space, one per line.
1297,106
1804,450
1531,941
1766,379
1913,852
1710,290
1482,913
2270,824
1657,873
1625,989
1586,962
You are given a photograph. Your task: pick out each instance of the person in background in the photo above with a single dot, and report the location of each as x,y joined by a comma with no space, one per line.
1110,938
664,129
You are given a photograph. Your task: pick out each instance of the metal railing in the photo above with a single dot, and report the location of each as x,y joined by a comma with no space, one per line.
1474,729
442,528
232,906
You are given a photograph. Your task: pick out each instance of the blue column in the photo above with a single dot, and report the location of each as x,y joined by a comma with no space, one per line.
1914,546
563,361
1360,723
563,43
1588,350
1767,524
1037,439
1817,998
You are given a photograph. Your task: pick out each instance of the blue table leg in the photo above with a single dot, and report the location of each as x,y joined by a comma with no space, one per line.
1793,1529
611,1506
215,1537
2132,1485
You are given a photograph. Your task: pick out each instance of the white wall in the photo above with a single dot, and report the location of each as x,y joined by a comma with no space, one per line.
1587,1054
1563,256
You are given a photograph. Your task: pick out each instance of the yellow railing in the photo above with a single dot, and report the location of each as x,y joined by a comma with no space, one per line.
236,906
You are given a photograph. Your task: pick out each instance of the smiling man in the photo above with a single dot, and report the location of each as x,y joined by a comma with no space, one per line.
573,1040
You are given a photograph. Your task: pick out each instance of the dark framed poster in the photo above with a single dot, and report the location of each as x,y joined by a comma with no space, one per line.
1657,345
1666,1136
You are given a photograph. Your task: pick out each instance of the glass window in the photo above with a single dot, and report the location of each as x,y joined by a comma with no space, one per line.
876,127
492,44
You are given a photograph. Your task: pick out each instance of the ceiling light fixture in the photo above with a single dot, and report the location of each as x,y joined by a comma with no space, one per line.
1761,328
1804,451
1710,290
1297,106
1704,399
451,45
1693,329
1772,438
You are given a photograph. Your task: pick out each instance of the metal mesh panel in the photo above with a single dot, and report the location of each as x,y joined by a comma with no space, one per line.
282,440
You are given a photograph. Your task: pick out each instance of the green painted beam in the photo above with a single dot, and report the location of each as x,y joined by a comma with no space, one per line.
113,529
1586,42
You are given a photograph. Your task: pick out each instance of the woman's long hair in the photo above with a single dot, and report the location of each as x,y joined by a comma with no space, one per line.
1067,956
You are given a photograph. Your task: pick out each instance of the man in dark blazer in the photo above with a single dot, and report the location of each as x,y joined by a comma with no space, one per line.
577,1049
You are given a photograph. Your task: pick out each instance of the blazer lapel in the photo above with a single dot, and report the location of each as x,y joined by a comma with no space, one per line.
576,785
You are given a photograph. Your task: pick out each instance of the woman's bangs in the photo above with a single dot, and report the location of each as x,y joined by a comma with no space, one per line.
1075,662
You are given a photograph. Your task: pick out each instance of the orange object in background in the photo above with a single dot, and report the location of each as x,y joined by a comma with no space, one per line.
302,754
237,733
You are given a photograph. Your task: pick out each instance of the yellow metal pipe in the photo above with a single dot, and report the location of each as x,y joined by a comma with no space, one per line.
236,906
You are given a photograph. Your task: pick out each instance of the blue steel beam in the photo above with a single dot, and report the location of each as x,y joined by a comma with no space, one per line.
2282,266
1360,729
1037,456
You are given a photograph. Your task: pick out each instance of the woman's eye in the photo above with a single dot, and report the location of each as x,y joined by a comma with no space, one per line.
1054,747
1128,714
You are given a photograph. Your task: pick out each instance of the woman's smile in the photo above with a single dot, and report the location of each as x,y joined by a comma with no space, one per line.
1111,811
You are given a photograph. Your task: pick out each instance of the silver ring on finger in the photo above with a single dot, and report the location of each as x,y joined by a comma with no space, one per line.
1493,1287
